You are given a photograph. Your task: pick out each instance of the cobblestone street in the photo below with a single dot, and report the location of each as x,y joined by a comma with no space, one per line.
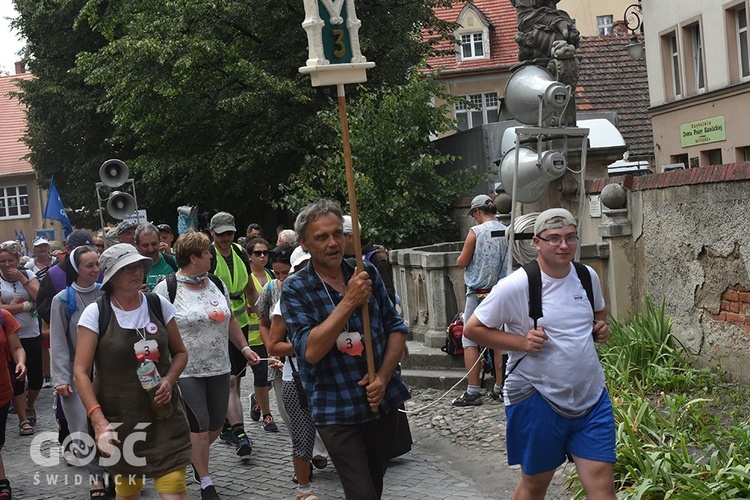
457,453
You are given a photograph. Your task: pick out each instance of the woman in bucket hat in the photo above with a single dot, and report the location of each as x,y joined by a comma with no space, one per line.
115,334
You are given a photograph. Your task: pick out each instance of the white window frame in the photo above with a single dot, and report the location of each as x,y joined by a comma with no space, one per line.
698,68
743,48
484,102
475,27
604,24
674,54
19,201
472,41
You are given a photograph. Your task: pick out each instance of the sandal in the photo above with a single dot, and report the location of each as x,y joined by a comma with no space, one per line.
25,429
98,493
5,491
31,415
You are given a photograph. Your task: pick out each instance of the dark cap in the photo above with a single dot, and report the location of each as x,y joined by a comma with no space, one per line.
78,238
223,222
164,227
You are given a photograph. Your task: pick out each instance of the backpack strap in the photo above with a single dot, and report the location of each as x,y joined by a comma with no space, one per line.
171,286
170,260
218,282
105,313
154,303
585,278
105,310
534,274
70,299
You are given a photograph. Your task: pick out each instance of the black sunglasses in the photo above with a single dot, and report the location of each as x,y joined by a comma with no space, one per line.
258,253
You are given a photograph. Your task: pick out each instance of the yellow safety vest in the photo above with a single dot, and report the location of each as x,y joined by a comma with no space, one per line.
236,283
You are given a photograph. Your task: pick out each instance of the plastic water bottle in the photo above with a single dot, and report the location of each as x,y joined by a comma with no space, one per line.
150,379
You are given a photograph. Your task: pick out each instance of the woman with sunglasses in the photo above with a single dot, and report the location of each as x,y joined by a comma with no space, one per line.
257,250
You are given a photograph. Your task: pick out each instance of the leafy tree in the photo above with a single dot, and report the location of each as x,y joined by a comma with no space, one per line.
402,198
67,134
202,98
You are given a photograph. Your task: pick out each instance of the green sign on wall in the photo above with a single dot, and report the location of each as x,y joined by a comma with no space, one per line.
703,131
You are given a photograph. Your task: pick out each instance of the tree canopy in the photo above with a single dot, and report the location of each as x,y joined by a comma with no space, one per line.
401,196
201,98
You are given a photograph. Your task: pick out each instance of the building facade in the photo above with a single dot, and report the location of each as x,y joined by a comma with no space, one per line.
21,200
477,67
595,17
698,62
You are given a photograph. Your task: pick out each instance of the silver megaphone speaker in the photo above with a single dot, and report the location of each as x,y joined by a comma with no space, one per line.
114,173
533,180
187,211
121,205
530,87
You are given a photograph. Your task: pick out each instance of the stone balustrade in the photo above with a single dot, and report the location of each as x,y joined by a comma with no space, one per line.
431,288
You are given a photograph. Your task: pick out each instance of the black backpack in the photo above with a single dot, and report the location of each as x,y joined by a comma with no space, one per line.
534,274
454,340
535,287
105,310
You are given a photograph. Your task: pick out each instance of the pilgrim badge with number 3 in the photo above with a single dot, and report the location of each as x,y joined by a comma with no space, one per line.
149,349
350,343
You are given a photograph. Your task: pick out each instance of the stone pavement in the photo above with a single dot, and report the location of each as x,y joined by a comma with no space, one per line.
446,440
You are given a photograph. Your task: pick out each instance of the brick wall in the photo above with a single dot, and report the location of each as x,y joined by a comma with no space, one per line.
735,307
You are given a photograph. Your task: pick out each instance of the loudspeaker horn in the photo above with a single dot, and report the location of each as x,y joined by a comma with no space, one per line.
121,205
114,173
188,211
533,179
530,87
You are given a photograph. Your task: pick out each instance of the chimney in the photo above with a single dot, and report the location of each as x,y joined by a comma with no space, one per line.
20,68
620,28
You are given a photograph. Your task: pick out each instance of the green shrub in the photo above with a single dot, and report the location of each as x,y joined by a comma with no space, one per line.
682,432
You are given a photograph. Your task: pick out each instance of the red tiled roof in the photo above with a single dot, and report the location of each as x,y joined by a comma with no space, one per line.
610,80
12,128
503,49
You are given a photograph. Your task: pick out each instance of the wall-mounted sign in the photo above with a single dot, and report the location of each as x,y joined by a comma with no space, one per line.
703,131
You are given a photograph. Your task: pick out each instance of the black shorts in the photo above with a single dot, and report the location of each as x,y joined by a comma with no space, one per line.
260,371
236,359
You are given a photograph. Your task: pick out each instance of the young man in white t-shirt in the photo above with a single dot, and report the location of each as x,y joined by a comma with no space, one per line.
556,403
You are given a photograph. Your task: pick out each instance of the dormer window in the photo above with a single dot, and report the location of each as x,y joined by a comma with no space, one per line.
472,46
472,35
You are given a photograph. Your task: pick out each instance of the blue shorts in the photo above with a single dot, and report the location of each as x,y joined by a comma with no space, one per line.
539,439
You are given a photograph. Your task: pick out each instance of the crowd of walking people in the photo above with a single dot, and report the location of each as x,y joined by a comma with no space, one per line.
140,332
150,336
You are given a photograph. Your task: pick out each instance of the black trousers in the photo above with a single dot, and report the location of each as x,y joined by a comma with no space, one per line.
361,453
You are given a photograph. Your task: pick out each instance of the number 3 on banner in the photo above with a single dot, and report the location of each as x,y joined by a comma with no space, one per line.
338,43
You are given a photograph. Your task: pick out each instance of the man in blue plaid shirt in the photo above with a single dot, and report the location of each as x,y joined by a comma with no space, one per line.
321,305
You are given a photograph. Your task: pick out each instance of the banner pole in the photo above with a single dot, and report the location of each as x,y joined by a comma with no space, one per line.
355,226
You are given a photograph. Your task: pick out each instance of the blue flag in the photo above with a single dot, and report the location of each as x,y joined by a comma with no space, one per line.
55,209
22,240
